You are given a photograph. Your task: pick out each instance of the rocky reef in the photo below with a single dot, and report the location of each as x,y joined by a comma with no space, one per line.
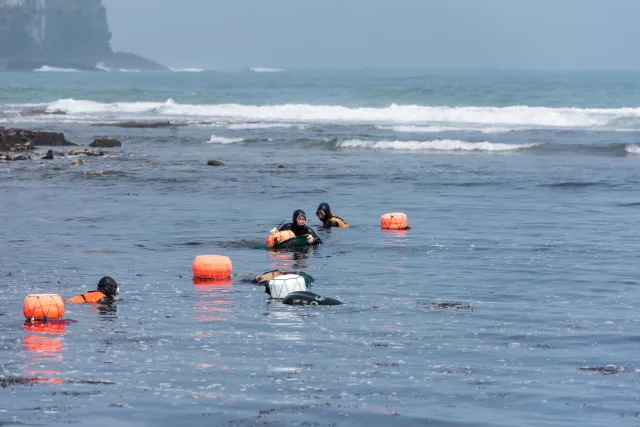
60,33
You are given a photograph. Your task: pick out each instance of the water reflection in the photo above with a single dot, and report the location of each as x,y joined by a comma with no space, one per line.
212,299
396,238
288,259
44,350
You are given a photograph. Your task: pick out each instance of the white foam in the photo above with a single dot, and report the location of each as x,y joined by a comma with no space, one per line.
223,140
266,70
126,70
46,68
187,70
439,129
435,145
102,67
632,149
487,118
261,125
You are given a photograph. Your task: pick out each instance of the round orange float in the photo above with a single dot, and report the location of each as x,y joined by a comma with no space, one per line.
394,221
43,307
279,237
211,267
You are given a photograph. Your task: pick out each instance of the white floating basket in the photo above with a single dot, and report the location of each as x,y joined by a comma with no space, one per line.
282,286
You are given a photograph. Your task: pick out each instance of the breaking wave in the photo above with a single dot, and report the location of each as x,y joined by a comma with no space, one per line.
633,149
435,145
46,68
423,118
224,140
266,70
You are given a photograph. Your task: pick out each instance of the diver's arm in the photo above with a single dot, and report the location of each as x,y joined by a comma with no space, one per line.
315,236
285,227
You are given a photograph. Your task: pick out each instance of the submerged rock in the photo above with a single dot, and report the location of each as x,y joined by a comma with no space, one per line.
41,112
85,152
215,163
25,140
105,143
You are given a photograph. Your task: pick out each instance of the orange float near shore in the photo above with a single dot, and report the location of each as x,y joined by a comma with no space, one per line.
43,307
394,221
211,267
278,237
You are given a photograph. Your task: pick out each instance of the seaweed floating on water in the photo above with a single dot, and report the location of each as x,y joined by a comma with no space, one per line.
606,370
12,381
446,305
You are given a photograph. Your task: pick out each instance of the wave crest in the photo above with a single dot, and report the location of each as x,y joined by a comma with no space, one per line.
223,140
435,145
411,118
633,149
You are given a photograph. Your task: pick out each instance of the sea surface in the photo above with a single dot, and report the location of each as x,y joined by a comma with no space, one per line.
512,300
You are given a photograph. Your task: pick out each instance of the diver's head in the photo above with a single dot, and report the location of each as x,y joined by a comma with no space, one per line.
299,218
323,212
108,286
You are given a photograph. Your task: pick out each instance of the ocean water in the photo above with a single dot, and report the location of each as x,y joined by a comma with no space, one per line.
512,300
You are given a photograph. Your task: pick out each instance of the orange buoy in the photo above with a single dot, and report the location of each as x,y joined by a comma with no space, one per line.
394,221
211,267
279,237
43,306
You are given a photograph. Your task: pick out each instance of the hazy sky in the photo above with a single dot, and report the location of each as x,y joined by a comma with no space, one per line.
225,34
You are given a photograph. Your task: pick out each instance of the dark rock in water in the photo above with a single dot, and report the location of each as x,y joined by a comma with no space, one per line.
130,61
136,124
9,157
16,137
105,143
283,166
40,112
85,152
308,298
215,163
48,156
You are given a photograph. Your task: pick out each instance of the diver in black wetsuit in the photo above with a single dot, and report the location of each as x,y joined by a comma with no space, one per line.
299,227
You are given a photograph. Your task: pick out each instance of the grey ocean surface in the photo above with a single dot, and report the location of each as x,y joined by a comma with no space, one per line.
517,281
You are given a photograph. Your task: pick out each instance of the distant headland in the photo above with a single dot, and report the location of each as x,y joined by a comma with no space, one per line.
61,34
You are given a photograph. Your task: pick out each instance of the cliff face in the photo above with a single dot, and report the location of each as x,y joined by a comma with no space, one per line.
65,33
64,30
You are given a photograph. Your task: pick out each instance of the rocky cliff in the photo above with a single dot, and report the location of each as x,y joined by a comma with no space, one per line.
56,33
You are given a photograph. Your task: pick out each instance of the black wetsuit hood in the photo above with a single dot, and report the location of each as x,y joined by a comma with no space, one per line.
108,286
324,207
298,230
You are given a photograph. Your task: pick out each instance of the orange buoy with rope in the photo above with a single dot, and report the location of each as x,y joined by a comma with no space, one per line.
278,237
43,307
211,267
394,221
